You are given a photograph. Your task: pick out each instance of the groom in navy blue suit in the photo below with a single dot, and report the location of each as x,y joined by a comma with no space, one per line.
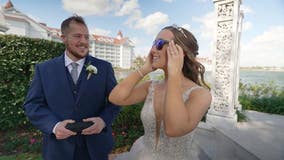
64,91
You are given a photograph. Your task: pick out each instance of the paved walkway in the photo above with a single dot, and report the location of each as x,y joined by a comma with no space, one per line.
262,135
259,138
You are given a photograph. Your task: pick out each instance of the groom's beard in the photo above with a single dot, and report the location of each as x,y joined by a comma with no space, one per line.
77,52
77,55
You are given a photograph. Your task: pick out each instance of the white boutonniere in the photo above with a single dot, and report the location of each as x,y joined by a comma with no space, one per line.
91,70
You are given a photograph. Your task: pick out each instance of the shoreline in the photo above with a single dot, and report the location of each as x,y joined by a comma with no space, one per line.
263,69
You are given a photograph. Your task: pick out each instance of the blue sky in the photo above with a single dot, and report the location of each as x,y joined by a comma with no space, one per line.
262,39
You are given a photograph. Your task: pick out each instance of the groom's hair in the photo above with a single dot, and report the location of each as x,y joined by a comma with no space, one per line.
73,19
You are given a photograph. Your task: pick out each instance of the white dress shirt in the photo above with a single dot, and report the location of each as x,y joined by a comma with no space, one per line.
68,62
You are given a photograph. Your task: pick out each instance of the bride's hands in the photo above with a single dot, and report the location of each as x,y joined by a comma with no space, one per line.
175,59
147,67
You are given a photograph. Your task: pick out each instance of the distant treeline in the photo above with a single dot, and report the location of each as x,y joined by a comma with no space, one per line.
262,68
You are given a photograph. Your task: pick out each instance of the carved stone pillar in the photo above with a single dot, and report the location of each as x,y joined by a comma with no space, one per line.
240,28
225,65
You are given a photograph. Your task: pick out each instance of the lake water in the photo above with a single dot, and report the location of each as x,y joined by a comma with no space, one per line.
263,77
246,76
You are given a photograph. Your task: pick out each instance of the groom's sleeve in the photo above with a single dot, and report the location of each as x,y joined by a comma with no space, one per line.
110,111
36,108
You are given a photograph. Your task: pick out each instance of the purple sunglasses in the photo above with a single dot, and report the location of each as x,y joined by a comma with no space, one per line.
159,43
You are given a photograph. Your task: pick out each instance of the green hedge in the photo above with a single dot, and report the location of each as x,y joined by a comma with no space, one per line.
18,55
263,97
127,127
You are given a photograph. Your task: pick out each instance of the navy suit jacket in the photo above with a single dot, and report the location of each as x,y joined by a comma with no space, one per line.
50,99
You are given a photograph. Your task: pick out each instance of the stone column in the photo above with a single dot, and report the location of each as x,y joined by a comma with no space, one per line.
238,106
225,66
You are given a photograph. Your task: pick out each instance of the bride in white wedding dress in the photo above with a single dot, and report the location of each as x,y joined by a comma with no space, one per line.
174,106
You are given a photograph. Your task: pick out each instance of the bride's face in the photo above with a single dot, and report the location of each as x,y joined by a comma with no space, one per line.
159,49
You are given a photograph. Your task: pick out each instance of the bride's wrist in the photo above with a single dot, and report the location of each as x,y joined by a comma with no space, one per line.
142,71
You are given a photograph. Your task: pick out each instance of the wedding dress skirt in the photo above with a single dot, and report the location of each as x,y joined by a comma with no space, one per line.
167,148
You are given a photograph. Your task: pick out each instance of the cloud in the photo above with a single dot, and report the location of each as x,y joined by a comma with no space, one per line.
186,26
102,32
130,9
136,41
208,23
266,49
133,18
207,27
151,24
127,8
246,9
246,26
141,47
90,7
142,51
206,33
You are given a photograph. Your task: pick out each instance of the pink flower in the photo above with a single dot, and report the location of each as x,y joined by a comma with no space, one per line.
32,140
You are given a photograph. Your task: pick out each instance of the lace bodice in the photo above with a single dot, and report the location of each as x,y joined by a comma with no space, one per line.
168,148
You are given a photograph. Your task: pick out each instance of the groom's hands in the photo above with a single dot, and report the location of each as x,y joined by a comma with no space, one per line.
61,132
96,128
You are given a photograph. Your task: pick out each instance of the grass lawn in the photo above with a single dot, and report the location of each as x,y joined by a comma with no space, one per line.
23,156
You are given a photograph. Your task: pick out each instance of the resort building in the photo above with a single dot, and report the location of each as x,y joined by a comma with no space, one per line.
3,26
119,51
20,24
206,62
